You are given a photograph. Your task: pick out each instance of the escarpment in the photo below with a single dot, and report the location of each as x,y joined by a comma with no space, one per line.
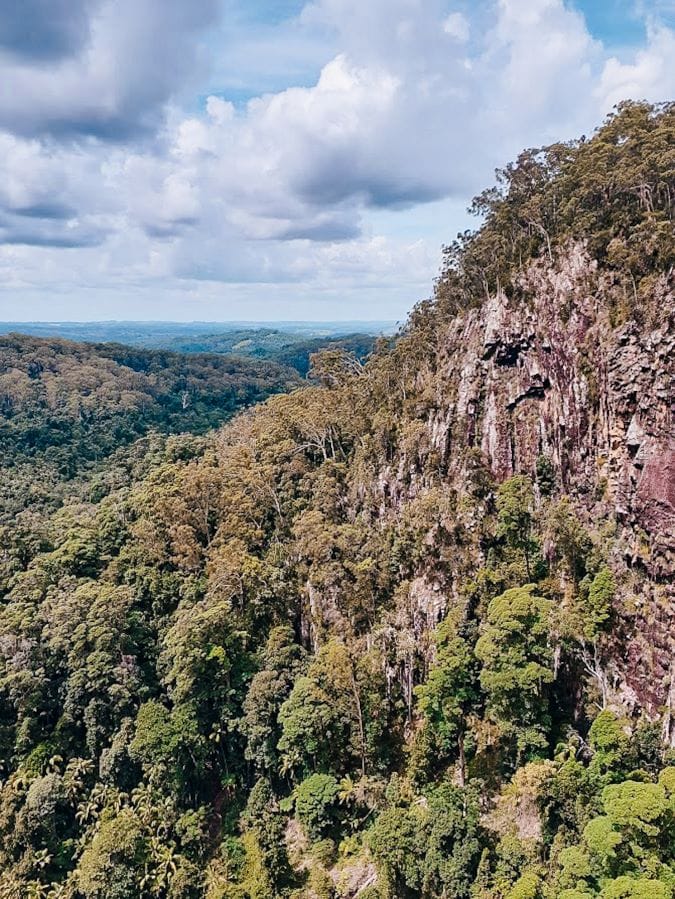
548,378
550,375
556,379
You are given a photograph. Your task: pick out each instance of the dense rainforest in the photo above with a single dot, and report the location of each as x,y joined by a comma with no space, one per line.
405,632
292,349
66,408
289,344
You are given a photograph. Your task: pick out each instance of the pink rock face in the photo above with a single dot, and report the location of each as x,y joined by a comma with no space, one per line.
655,495
550,374
656,487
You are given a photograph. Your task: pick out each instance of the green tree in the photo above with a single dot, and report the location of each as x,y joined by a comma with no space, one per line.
515,521
282,661
600,597
312,729
447,695
111,867
264,828
431,849
316,804
517,667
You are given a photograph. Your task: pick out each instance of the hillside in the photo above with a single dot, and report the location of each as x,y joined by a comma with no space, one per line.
65,407
405,633
286,343
294,350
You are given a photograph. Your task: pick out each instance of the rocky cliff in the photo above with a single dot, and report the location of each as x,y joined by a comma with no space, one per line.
549,375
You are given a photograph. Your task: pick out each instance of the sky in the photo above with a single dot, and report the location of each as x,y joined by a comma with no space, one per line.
219,160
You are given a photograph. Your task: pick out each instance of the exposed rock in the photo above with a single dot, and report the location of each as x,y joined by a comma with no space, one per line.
558,380
353,876
549,374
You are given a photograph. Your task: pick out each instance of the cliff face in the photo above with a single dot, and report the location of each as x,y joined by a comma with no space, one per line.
550,375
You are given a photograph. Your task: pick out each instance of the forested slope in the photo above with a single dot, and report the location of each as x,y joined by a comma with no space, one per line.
289,344
403,633
292,349
65,407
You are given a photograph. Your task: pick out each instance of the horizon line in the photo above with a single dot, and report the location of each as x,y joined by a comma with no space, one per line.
196,321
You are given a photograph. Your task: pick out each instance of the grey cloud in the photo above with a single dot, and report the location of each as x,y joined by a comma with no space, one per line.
17,230
174,228
60,241
321,231
328,185
44,30
45,210
232,272
115,65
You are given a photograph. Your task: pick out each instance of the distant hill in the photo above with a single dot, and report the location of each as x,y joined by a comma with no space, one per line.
278,346
69,404
288,343
163,335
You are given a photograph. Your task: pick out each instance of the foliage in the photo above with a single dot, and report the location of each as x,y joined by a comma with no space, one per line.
517,666
315,801
429,849
613,191
447,695
67,406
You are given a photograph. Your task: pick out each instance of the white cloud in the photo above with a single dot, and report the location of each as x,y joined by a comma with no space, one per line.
650,74
114,71
457,26
419,104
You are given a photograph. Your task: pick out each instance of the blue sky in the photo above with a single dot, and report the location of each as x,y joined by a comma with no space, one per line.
223,160
618,23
